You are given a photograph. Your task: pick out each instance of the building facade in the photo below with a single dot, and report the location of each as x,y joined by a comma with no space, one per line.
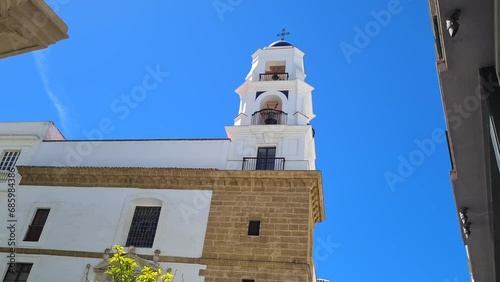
467,51
237,209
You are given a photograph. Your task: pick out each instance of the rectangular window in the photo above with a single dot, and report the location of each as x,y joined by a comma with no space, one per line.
437,37
36,227
254,228
7,162
9,159
247,280
21,273
143,228
266,158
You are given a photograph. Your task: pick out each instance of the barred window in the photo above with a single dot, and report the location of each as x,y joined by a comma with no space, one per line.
9,160
143,228
20,274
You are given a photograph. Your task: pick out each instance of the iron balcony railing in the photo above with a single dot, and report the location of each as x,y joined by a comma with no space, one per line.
269,116
260,163
273,76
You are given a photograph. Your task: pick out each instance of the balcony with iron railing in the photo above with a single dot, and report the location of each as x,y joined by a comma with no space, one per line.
273,76
269,116
263,163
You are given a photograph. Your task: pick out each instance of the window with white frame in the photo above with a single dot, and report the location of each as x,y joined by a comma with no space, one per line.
9,159
8,162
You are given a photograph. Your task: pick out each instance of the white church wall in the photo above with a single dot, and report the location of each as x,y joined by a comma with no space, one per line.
93,219
51,268
25,137
63,269
43,130
292,57
291,142
129,153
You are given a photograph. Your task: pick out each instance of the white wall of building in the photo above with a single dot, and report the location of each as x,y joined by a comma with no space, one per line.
44,130
93,219
133,153
291,55
65,269
26,137
294,143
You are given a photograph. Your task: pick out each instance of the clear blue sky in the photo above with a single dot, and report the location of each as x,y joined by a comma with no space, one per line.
370,109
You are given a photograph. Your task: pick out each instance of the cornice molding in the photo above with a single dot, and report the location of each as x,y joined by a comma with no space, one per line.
19,140
6,5
28,25
276,128
253,86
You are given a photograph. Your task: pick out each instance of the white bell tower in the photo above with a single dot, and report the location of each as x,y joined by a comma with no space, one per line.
272,130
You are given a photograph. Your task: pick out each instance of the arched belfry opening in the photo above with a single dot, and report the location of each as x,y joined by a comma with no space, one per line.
274,70
271,102
270,111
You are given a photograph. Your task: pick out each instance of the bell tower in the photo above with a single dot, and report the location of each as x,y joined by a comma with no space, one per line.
272,130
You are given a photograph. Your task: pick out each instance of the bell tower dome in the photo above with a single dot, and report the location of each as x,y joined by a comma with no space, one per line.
272,130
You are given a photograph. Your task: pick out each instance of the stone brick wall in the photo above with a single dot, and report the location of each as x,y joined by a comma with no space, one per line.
283,249
261,273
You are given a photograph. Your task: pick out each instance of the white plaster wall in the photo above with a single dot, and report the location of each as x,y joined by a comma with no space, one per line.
27,137
299,98
130,153
93,219
292,143
292,56
65,269
39,129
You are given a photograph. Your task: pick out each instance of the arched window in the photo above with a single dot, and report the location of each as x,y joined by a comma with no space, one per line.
140,221
270,111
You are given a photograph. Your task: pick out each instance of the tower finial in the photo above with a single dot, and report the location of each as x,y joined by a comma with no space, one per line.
282,34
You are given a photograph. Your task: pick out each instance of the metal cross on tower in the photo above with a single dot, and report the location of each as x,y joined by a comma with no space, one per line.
282,34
